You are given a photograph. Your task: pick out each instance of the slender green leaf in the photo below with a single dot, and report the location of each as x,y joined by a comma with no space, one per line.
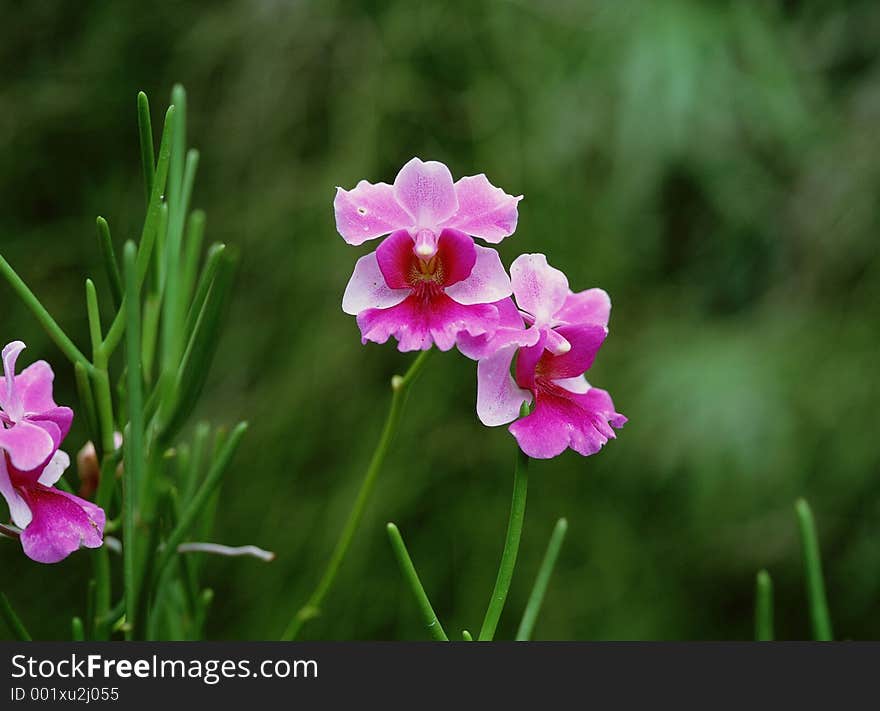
108,254
77,631
819,615
763,607
145,131
133,450
12,620
195,364
536,599
87,400
415,585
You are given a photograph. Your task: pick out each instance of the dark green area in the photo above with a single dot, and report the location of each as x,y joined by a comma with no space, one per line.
714,166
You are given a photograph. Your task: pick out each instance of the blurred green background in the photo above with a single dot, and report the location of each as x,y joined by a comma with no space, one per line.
712,165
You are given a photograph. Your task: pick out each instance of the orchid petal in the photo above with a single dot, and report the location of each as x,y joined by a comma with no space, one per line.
426,191
487,282
539,289
29,445
417,323
54,469
498,398
19,511
368,211
483,210
592,306
367,288
585,342
577,384
62,523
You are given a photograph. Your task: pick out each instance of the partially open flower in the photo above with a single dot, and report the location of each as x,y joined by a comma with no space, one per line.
565,333
89,468
427,282
54,523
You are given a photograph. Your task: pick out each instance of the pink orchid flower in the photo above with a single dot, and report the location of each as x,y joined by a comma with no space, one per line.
31,424
428,281
564,334
54,523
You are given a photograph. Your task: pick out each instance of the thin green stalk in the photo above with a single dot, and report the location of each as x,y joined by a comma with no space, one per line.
819,615
511,547
94,317
175,173
101,562
209,271
109,255
90,609
152,312
134,453
201,498
399,386
55,332
763,607
193,473
195,233
13,622
412,578
145,130
77,631
87,400
536,599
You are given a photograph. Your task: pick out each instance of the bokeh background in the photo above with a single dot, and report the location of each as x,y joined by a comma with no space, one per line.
712,165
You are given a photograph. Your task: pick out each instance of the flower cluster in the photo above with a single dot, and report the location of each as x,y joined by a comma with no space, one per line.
428,283
53,523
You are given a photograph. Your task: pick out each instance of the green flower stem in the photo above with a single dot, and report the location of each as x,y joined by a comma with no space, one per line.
763,607
145,130
412,578
73,354
202,496
511,547
133,450
13,622
399,386
109,256
536,599
819,615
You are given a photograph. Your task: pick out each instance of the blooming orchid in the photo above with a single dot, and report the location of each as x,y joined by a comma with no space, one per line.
564,334
427,282
54,523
